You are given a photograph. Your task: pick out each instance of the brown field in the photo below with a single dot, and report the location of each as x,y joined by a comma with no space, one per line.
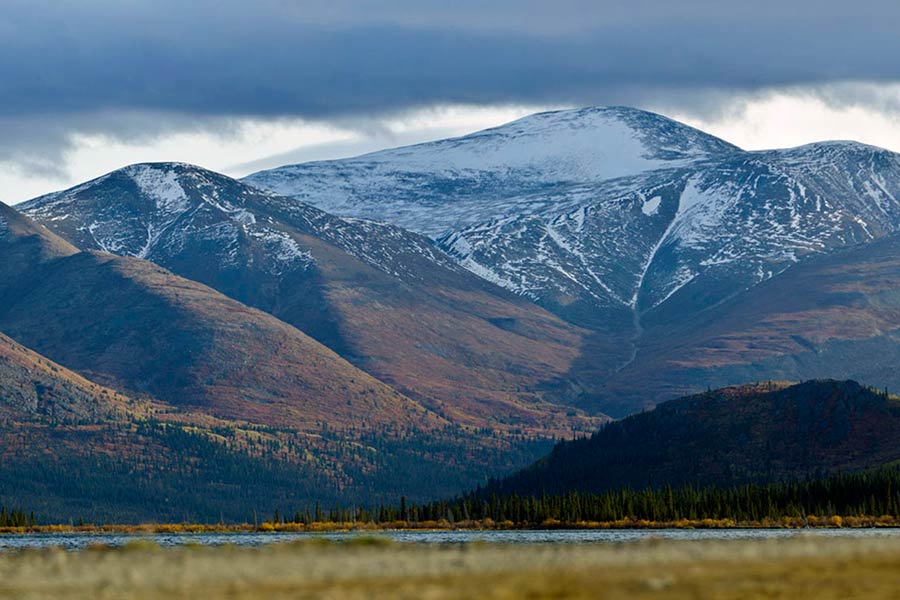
803,567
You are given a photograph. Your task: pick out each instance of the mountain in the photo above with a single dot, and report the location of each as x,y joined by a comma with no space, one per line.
753,433
507,202
385,299
642,232
615,208
618,220
132,325
230,398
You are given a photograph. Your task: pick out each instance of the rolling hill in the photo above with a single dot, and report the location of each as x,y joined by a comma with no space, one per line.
753,433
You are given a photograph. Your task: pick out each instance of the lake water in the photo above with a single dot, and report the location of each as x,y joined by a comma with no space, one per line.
582,536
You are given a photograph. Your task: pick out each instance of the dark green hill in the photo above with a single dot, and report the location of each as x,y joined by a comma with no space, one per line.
753,433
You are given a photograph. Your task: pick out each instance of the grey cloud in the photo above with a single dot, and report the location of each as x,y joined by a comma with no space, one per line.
94,64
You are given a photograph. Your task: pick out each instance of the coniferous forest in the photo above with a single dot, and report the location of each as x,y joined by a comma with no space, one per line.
871,493
16,518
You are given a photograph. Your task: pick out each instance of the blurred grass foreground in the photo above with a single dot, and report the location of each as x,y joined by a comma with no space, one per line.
801,567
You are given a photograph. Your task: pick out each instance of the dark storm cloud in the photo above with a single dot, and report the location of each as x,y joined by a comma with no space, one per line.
66,64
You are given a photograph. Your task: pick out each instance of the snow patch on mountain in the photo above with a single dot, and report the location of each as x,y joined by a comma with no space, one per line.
599,144
651,206
284,249
162,187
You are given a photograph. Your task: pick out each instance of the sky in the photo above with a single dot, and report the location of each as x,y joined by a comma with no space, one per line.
87,86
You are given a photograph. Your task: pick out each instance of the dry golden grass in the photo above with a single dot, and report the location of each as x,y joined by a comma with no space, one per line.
804,523
802,567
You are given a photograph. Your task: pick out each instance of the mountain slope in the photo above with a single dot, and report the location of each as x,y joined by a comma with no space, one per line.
72,450
236,403
24,244
132,325
768,432
597,225
384,298
34,388
622,234
833,315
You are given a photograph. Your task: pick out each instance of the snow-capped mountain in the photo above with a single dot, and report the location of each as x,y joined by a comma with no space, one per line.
385,298
601,213
157,211
446,185
627,224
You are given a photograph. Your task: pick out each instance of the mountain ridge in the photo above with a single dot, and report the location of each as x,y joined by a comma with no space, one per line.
385,299
639,224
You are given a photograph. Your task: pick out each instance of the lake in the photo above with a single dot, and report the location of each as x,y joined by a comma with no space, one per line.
577,536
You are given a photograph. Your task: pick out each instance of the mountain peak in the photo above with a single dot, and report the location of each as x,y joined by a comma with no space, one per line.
574,145
467,180
663,138
127,210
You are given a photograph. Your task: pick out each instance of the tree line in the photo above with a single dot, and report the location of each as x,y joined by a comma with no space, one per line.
16,518
873,492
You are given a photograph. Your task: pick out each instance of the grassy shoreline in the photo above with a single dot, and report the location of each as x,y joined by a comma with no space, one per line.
809,522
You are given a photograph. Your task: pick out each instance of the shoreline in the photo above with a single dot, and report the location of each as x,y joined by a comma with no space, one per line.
798,523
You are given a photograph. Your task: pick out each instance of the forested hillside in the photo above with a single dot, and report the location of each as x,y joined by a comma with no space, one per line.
748,434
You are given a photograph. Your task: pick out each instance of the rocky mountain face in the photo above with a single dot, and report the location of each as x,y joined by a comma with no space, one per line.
619,220
731,436
386,299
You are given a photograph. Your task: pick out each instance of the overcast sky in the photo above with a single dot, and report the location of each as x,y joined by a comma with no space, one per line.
87,86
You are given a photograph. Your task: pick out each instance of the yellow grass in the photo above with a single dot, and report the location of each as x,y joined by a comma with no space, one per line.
811,521
802,567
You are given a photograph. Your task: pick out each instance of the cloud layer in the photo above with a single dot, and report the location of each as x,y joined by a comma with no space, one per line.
327,59
132,69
